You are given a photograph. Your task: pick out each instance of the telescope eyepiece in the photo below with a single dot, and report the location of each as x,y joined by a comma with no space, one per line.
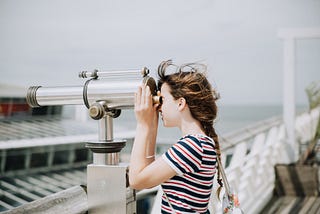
157,100
144,72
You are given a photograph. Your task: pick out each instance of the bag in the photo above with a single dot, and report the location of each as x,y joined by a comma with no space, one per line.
230,200
230,204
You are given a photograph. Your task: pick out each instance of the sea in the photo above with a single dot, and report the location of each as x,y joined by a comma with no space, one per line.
229,118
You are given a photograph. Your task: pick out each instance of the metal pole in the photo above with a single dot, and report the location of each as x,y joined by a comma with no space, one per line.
289,94
106,136
108,190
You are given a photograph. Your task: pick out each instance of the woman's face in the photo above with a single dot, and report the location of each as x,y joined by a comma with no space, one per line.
169,108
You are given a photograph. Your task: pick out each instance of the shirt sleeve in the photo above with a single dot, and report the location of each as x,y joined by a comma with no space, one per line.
185,156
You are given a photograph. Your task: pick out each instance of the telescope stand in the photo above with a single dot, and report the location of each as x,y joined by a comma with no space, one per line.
104,95
107,180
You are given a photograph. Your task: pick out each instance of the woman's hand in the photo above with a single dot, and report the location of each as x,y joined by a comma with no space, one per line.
146,113
144,169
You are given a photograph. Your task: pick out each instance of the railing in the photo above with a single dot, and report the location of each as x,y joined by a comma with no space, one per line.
251,169
249,157
71,200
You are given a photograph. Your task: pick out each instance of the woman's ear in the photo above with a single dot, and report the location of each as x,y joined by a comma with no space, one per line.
181,103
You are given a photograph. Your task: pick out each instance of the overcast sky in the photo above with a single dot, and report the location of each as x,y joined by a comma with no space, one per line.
45,42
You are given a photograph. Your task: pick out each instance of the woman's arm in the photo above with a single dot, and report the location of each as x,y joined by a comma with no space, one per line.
144,171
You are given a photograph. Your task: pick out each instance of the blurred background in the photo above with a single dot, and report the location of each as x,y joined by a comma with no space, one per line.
48,43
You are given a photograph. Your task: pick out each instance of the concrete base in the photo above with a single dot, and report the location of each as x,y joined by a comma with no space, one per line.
108,190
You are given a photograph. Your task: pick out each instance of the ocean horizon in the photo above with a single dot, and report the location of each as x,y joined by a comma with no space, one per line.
230,118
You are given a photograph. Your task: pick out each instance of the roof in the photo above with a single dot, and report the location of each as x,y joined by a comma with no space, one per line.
41,155
12,91
44,131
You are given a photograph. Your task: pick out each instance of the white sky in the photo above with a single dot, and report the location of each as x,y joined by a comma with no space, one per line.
45,42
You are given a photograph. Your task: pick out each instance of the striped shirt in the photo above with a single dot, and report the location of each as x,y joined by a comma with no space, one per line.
193,158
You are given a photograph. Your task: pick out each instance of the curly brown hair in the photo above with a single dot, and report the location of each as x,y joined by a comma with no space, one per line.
190,82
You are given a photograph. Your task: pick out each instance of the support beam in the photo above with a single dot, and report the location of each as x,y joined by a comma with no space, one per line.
290,36
289,93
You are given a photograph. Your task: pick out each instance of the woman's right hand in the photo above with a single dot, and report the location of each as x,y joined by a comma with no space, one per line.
145,111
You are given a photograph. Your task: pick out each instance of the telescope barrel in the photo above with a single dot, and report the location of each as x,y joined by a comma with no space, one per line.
116,93
47,96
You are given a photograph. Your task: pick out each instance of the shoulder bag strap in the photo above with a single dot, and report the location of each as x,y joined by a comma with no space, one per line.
224,178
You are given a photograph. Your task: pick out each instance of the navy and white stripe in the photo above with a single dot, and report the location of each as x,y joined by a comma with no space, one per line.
193,157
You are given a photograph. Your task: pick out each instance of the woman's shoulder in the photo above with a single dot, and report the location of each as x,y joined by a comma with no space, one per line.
199,139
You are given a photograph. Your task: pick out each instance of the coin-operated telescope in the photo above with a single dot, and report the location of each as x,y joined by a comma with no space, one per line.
105,93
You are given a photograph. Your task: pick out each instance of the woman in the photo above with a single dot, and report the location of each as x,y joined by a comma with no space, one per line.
187,169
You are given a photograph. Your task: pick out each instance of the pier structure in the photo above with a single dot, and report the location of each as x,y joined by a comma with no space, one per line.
256,158
251,161
290,36
108,189
250,157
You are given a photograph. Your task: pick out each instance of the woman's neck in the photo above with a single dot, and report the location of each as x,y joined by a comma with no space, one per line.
191,127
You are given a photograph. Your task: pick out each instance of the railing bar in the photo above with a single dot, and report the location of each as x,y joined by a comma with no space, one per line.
45,169
32,187
18,190
45,185
13,197
66,179
55,182
248,132
79,172
75,176
5,205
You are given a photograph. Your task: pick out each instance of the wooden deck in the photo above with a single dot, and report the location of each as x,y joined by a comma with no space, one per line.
293,205
297,189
